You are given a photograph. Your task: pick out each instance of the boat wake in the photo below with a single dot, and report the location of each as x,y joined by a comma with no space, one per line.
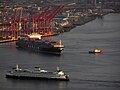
112,81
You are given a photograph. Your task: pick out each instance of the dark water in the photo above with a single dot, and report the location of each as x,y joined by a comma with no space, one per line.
87,71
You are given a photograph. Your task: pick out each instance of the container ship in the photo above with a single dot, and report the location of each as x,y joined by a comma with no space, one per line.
37,73
34,42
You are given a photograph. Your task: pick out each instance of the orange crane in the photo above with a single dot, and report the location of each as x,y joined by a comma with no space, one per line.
41,24
41,18
48,19
17,22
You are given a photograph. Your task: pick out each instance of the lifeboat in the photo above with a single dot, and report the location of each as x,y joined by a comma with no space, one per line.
96,51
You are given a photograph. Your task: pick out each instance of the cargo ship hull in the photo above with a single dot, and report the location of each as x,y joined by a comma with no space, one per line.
35,48
34,42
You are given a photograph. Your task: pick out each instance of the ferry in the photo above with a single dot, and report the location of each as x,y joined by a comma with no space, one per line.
34,42
37,73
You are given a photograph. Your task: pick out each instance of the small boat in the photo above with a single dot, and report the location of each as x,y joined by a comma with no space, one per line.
37,73
96,51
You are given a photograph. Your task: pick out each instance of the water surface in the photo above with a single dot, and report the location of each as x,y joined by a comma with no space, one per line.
87,71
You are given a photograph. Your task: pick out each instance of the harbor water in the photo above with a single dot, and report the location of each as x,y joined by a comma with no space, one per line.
86,71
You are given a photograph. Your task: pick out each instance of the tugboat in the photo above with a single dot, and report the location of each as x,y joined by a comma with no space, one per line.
37,73
34,42
96,51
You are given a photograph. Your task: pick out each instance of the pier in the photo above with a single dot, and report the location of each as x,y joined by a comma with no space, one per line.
7,40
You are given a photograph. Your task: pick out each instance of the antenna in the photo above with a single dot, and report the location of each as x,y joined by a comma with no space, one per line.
58,68
17,67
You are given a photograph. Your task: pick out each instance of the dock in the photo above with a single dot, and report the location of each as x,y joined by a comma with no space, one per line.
7,40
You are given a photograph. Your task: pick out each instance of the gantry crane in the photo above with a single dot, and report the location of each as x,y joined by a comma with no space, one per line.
40,24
